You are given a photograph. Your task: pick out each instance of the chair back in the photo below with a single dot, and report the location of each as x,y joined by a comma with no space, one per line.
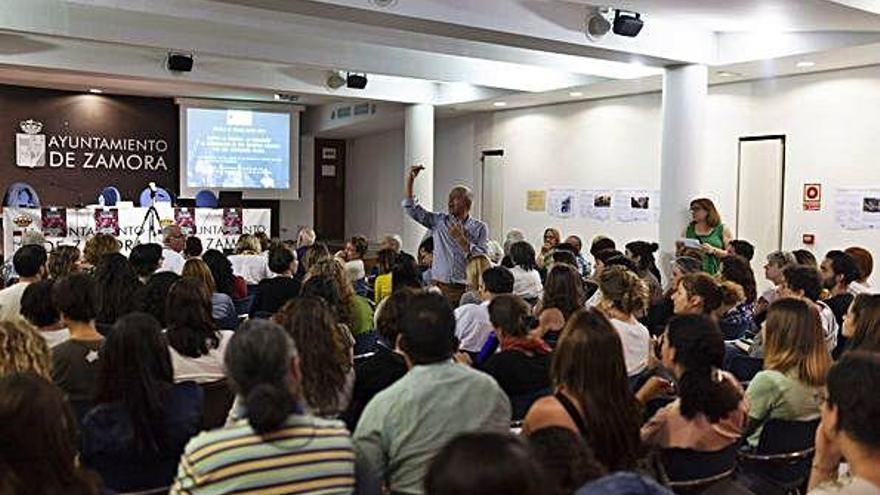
243,305
206,199
744,368
111,196
687,471
21,195
218,398
785,437
784,455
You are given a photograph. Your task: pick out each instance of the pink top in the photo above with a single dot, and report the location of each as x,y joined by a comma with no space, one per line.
669,429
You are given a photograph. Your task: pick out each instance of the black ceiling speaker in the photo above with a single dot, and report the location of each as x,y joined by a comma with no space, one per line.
356,81
627,23
178,62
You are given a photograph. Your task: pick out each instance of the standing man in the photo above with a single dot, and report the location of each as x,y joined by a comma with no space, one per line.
456,236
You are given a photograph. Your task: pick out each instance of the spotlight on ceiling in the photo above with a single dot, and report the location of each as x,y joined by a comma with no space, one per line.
356,81
335,80
805,64
627,23
597,25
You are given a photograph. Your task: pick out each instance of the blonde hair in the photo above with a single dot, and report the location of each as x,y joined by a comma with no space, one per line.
624,290
476,265
196,268
793,339
247,244
99,245
23,349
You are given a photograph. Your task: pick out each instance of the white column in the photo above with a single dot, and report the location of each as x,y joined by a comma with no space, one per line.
418,150
684,107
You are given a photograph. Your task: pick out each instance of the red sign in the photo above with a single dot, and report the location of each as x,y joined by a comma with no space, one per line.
812,197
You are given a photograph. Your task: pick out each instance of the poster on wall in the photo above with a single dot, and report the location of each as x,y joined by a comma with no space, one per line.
857,209
812,197
185,218
107,221
536,200
595,204
54,221
636,205
232,224
561,203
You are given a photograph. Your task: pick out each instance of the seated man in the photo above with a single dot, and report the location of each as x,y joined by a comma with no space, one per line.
472,324
272,293
30,265
405,425
850,429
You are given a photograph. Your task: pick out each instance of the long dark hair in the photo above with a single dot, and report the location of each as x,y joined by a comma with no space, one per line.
522,254
38,451
153,296
221,269
117,286
699,349
135,369
324,353
589,364
739,271
258,364
563,290
645,252
192,330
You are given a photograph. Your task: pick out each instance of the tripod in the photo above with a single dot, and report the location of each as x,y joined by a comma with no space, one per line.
151,217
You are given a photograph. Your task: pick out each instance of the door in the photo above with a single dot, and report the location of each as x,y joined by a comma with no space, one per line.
492,193
760,198
330,189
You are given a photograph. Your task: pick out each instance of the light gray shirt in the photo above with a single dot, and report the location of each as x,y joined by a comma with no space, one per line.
405,425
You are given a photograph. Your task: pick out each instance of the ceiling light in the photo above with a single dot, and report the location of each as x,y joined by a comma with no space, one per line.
96,91
725,73
500,104
805,64
575,94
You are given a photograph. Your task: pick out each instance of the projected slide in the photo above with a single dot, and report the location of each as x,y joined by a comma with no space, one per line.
240,149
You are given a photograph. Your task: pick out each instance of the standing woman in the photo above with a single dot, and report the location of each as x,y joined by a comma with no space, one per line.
707,228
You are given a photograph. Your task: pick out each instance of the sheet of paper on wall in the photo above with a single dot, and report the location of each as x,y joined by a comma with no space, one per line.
536,200
636,205
857,209
561,203
595,203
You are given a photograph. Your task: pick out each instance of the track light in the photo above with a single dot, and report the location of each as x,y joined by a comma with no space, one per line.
627,23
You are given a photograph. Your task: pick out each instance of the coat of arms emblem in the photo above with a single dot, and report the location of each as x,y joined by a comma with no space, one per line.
30,145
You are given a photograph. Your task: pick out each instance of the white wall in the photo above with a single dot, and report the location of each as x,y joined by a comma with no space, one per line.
828,120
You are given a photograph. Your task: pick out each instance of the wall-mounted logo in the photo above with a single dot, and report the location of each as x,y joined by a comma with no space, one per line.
23,220
30,145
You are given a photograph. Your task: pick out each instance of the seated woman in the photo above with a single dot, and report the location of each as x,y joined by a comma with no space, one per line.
382,284
356,311
221,269
325,355
522,366
37,440
272,293
624,299
710,411
222,307
195,343
795,364
141,420
275,446
861,326
740,319
593,396
698,294
248,262
22,350
476,265
117,287
642,254
660,312
153,296
526,279
563,292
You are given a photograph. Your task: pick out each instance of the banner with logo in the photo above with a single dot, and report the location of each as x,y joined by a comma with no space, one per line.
132,224
54,222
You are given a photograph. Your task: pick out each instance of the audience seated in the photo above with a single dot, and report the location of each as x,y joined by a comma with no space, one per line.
861,327
522,365
600,243
304,238
777,261
562,291
738,320
426,260
354,311
441,398
146,259
526,279
805,282
740,247
174,242
382,284
585,268
272,293
551,239
838,270
472,322
624,298
39,310
565,458
141,421
592,396
222,308
276,446
805,257
152,298
476,265
30,266
64,260
710,411
22,350
642,254
196,345
192,248
96,247
221,269
795,364
75,362
865,263
37,440
660,312
353,257
325,359
481,463
698,293
849,431
248,262
117,288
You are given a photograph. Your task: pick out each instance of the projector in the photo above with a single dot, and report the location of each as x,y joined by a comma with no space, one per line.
627,23
356,81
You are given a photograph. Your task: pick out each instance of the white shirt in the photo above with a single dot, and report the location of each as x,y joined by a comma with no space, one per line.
856,288
55,337
253,268
829,325
847,486
472,326
10,301
203,369
172,261
636,342
355,270
594,300
527,284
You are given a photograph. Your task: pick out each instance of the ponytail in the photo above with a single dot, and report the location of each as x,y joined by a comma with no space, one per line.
699,349
624,290
707,288
267,406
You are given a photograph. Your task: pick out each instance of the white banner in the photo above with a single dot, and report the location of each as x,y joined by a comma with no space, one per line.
81,226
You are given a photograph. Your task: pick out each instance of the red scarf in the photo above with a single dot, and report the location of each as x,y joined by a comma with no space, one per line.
527,345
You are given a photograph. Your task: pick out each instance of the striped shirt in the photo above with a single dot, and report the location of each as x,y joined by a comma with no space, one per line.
307,455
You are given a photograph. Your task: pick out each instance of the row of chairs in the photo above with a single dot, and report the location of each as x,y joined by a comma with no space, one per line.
24,195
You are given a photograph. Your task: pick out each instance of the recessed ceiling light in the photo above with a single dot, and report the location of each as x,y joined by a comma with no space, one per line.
575,93
805,64
500,104
96,91
727,73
